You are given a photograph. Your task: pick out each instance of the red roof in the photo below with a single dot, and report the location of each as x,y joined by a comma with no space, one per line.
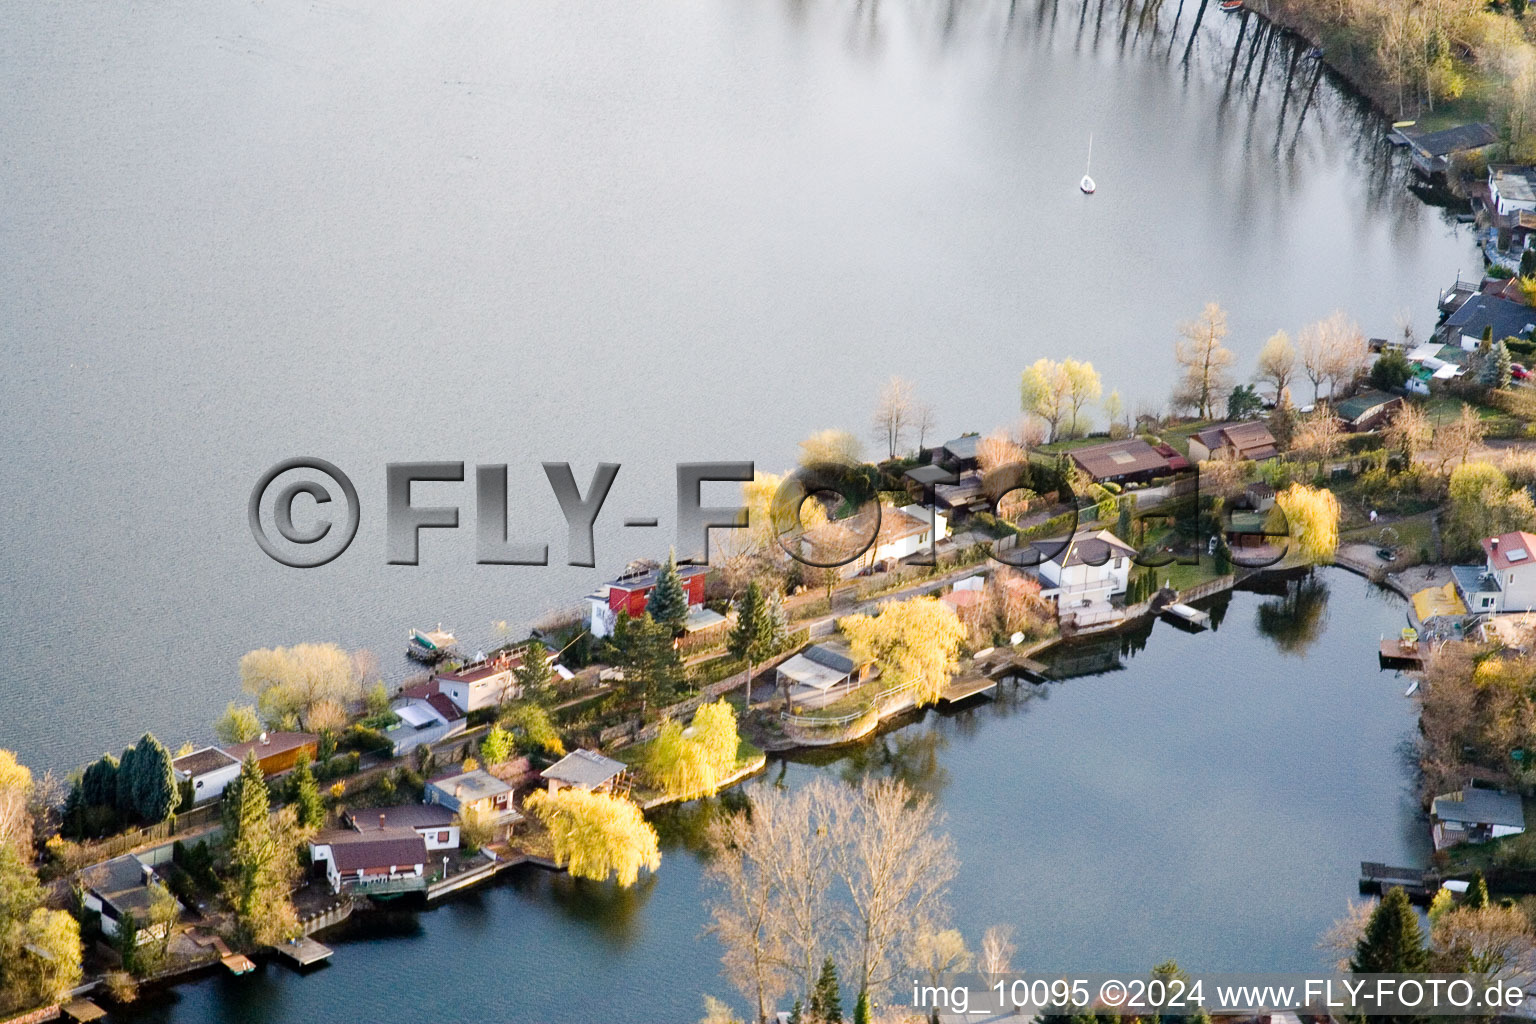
445,707
479,672
1169,452
1510,549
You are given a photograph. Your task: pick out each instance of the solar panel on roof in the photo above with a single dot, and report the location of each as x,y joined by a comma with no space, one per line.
1515,554
1121,458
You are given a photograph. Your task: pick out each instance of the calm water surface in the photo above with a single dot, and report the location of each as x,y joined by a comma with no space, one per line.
1204,797
649,233
528,231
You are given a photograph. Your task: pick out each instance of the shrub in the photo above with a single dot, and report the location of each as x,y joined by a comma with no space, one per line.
363,738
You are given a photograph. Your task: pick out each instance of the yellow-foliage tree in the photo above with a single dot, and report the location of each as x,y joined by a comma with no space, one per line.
679,766
596,836
15,793
915,642
290,682
691,763
836,447
1312,515
714,729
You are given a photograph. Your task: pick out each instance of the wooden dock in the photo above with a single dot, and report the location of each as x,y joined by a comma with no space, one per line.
1002,662
1377,878
1396,654
1187,616
83,1010
235,963
965,688
303,952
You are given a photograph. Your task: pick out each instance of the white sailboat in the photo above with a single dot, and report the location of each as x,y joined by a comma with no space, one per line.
1087,184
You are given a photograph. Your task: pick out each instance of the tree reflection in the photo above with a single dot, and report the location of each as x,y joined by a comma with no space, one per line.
605,908
910,756
1295,619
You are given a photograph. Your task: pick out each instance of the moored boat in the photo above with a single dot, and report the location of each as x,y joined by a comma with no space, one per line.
430,645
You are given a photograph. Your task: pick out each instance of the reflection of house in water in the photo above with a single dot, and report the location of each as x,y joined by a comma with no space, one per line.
1084,658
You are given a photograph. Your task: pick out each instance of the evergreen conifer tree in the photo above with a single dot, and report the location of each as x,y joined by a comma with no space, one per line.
668,603
306,793
125,797
1477,891
752,637
826,1002
154,782
1393,942
534,674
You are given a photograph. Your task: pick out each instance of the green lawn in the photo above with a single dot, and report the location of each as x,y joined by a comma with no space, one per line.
1182,577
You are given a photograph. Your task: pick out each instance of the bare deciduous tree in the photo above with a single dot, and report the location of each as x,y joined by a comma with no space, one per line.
997,951
1277,363
1408,433
895,413
897,869
827,868
1318,437
1205,364
1456,439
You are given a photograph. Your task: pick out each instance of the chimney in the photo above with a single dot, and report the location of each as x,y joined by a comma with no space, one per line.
266,740
458,790
1493,542
381,823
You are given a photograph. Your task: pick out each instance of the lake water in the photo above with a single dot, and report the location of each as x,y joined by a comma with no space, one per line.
1204,797
531,231
653,233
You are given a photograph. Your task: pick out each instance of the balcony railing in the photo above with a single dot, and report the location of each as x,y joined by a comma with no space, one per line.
380,886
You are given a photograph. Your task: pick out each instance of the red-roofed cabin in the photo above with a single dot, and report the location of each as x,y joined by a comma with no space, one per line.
629,593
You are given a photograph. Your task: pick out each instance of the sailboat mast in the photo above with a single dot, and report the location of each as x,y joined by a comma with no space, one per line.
1089,166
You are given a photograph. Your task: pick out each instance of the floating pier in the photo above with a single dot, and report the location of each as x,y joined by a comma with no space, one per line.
1402,654
1377,878
303,952
1188,615
964,689
83,1010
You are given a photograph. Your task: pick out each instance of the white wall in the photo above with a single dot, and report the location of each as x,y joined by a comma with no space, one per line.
210,786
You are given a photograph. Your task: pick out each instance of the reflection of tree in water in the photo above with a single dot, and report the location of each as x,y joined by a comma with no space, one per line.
1295,619
910,756
685,827
1218,608
606,909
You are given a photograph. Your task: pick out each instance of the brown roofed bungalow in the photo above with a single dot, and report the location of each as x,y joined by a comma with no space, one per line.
1129,461
1251,441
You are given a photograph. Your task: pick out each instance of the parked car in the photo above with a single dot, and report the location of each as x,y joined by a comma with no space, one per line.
1519,372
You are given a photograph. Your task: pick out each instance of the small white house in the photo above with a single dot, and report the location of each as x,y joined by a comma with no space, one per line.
1473,815
482,685
121,887
1506,582
1090,568
437,825
426,716
381,860
209,770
